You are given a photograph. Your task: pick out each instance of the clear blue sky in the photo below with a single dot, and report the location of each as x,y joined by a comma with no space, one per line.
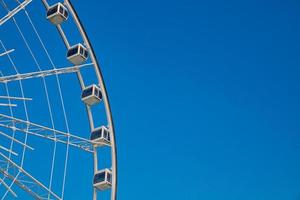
204,94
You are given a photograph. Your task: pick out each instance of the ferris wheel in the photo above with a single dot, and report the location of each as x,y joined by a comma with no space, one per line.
57,138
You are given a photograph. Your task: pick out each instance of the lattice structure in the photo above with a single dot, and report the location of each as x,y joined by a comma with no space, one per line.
35,114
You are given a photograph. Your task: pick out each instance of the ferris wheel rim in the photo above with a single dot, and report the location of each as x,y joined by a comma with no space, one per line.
106,101
105,96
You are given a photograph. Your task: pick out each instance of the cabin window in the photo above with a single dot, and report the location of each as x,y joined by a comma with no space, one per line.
61,10
85,54
96,134
87,92
96,92
105,134
52,10
72,51
100,177
81,51
66,14
108,136
109,177
99,94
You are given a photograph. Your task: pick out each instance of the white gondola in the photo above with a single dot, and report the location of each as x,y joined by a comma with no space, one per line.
101,136
91,95
57,14
103,179
77,54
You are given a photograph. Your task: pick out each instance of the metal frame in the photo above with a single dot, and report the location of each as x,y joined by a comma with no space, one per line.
38,74
101,83
52,134
25,180
46,132
106,103
7,52
14,12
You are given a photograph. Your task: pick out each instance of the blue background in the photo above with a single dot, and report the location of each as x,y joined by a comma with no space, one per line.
204,94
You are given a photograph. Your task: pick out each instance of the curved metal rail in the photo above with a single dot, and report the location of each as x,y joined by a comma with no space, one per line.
105,98
86,145
101,83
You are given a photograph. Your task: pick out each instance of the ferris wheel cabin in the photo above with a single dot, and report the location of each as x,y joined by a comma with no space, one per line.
57,14
101,136
77,54
91,95
103,179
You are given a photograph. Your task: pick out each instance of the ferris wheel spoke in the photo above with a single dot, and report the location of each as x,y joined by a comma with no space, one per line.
29,187
8,150
16,141
46,132
15,98
38,74
8,105
8,188
13,12
6,52
26,181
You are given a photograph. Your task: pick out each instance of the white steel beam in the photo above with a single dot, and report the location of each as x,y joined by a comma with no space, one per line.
44,73
25,181
13,12
7,52
46,132
15,98
8,105
8,188
9,151
16,141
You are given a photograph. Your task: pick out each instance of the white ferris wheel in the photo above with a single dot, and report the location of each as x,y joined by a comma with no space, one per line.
57,137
